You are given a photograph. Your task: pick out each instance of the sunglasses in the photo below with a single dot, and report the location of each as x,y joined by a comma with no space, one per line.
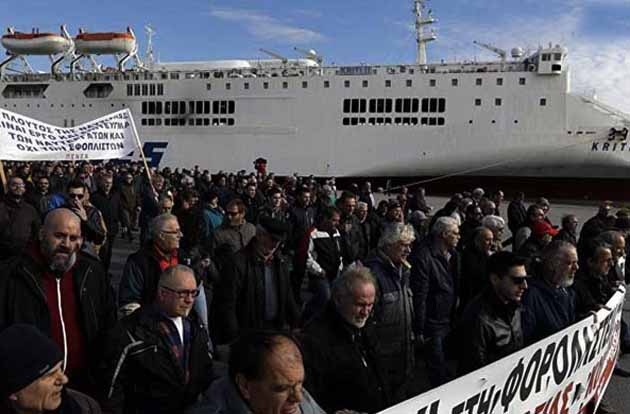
519,280
77,196
232,213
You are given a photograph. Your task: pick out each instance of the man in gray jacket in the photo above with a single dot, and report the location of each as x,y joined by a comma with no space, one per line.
266,373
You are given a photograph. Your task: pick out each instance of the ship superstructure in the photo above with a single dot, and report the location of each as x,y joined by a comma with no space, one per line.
514,116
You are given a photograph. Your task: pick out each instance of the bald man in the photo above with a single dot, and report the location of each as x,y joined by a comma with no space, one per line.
266,376
65,294
158,358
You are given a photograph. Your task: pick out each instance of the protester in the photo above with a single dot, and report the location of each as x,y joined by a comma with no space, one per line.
19,221
32,378
342,368
158,359
266,376
93,228
255,289
491,324
324,260
393,312
235,233
568,232
63,293
474,275
548,303
108,202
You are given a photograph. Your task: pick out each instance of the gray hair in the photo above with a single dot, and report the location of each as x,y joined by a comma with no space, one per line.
442,225
609,237
493,222
156,225
396,232
553,255
169,276
351,277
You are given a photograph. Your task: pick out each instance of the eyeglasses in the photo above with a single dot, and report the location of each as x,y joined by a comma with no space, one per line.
182,293
232,213
77,196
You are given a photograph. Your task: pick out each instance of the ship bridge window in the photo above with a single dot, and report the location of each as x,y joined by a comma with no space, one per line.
24,91
136,89
175,76
499,81
546,57
98,90
152,89
557,56
145,89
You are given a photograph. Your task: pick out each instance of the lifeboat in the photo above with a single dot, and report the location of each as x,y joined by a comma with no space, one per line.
35,43
105,43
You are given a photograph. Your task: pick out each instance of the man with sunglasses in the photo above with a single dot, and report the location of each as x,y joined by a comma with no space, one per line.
92,224
255,291
158,359
491,328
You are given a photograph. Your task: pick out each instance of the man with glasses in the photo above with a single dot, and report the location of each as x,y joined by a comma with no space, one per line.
235,233
19,221
92,224
491,328
139,282
255,291
158,359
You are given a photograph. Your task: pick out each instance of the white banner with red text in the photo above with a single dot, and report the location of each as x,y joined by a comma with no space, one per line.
566,373
27,139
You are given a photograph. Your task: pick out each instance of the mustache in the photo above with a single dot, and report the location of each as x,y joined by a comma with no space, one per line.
62,250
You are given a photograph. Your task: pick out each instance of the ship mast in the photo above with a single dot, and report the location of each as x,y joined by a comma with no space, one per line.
421,38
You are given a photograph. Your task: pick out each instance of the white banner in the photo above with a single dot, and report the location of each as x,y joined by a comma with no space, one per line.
566,373
24,138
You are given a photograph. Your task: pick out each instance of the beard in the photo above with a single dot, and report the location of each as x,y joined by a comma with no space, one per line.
60,259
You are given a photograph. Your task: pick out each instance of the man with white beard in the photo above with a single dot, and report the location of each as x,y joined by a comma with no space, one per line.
65,294
549,303
341,366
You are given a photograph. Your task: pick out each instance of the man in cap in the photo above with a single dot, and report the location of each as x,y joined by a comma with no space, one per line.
255,291
32,379
542,234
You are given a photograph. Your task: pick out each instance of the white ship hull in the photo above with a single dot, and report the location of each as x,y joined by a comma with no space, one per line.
296,121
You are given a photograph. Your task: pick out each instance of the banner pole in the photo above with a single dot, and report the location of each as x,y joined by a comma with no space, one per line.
139,144
3,177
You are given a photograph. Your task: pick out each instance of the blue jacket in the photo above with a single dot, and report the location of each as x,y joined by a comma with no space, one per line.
546,310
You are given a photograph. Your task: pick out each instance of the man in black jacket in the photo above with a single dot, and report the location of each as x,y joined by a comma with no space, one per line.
19,221
342,370
108,202
158,359
255,290
490,328
63,293
434,281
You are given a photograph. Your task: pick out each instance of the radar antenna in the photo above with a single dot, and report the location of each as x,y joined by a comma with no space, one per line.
310,54
500,52
149,57
421,38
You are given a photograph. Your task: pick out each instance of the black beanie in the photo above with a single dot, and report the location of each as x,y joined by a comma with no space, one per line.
25,355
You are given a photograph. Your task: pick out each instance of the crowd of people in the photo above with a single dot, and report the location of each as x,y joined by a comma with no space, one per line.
251,293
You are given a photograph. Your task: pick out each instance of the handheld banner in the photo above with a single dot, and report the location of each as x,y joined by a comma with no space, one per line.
566,373
26,139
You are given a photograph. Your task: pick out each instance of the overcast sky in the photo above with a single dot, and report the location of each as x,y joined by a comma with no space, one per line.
597,32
